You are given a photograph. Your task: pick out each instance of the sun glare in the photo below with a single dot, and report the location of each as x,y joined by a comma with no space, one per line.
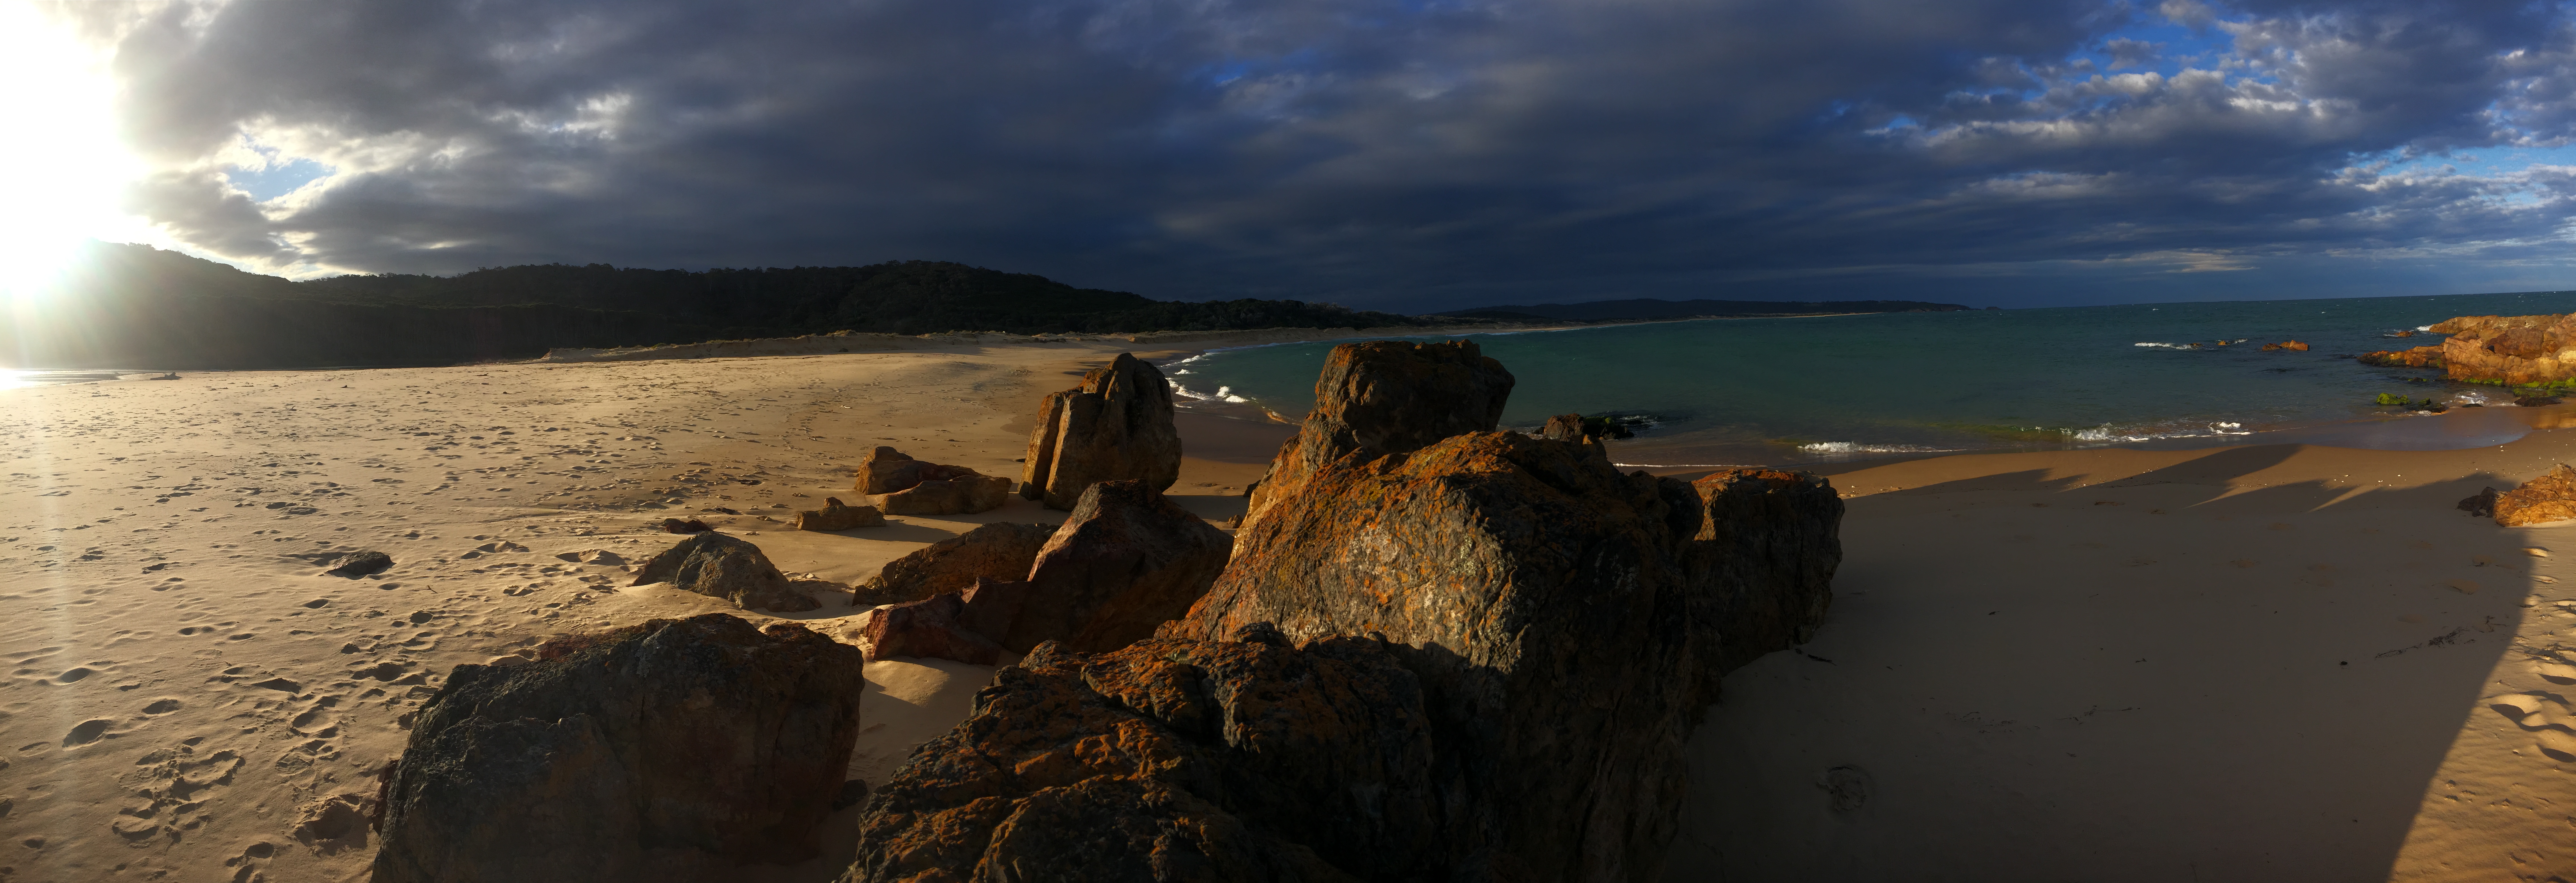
62,143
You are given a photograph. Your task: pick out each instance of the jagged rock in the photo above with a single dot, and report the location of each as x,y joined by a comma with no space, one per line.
2291,345
2419,357
673,750
1125,562
836,515
1001,551
674,525
928,629
1762,565
965,495
1540,596
2551,497
886,470
2509,349
725,567
365,563
2481,505
1172,760
1116,426
2406,333
1385,397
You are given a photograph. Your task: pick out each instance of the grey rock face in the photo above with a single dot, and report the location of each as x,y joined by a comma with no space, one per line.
668,751
726,567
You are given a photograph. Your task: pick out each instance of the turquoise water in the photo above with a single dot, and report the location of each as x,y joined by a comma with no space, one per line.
1784,390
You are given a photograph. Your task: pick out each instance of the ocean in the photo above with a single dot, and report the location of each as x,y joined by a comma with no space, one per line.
1827,388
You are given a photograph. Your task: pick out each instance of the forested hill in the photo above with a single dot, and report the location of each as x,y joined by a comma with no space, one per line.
132,306
1609,310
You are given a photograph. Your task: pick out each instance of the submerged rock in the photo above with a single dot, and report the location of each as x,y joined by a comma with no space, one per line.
2535,401
836,515
669,751
2551,497
997,551
2419,357
725,567
1116,426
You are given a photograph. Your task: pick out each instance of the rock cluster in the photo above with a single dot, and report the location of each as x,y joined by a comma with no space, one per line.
1125,562
1116,426
897,484
673,750
1438,652
836,515
1000,550
2292,345
2513,350
2551,497
726,567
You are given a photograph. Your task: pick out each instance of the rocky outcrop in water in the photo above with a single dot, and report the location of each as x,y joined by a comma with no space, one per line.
1125,562
997,551
2419,357
2508,349
670,751
726,567
1116,426
2551,497
1385,397
836,515
2291,345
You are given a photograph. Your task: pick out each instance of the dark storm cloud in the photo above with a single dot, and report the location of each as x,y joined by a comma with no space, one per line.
1404,154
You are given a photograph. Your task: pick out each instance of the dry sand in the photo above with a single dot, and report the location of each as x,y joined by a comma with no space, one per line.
2260,663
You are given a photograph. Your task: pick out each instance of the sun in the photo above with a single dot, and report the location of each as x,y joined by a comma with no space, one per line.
59,145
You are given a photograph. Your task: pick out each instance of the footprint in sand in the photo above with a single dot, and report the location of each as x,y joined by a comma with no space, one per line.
87,731
2557,672
2558,744
162,706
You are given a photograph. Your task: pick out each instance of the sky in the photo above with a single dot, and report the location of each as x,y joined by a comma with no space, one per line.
1411,155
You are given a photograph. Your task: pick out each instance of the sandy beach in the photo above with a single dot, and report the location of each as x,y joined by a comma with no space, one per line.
2251,663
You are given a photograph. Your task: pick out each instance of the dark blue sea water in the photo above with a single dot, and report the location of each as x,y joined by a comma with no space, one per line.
1790,390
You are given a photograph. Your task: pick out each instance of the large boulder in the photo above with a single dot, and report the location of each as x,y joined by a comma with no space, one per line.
836,515
1125,562
964,495
897,484
997,551
1762,565
1536,594
726,567
1173,760
1116,426
2551,497
927,629
673,750
1385,397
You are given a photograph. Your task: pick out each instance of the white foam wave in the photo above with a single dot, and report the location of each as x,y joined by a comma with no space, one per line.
2423,327
2108,433
1227,393
1861,448
2170,346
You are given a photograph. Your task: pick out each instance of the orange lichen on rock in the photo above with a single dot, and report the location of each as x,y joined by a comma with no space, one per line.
2551,497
